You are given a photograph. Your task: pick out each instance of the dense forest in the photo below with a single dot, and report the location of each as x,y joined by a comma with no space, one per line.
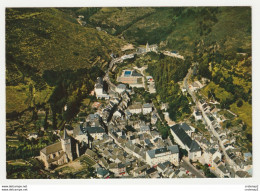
167,72
51,60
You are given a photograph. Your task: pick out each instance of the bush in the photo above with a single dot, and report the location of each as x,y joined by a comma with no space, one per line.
239,103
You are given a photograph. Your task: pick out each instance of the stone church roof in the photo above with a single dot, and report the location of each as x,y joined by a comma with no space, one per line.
65,134
50,160
52,148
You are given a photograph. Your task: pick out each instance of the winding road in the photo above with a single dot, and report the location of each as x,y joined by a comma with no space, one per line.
199,106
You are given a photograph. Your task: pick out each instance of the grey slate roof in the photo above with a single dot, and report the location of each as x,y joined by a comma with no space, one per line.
185,126
212,150
99,80
134,73
121,86
99,83
198,113
161,150
217,160
99,86
162,166
78,130
144,128
147,105
120,165
172,149
194,146
242,174
223,168
103,172
132,137
147,141
92,130
167,164
151,170
185,138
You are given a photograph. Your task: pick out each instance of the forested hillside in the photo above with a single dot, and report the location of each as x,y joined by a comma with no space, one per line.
180,28
51,61
167,72
50,39
43,40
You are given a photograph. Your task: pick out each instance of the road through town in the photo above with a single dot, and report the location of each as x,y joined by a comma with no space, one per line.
191,168
199,106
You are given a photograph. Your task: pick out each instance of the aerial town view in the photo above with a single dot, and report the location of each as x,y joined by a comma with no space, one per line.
136,92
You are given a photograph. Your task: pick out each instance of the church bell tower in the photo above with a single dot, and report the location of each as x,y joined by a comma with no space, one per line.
66,144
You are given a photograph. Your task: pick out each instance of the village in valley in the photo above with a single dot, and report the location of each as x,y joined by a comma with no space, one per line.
118,133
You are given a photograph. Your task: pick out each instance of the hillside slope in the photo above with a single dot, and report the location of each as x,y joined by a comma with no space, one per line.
180,28
42,40
50,39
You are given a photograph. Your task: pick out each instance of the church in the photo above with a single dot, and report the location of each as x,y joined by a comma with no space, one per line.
58,153
147,48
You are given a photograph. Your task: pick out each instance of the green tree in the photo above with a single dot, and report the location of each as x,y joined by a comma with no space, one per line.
239,103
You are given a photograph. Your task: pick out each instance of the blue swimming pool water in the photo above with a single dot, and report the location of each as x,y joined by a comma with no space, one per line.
127,73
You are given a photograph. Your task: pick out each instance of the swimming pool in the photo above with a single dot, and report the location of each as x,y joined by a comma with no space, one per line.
127,73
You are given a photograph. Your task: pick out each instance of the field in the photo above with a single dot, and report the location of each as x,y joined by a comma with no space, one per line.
244,113
220,93
227,114
17,98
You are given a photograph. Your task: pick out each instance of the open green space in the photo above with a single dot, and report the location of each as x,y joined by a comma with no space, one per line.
244,113
18,98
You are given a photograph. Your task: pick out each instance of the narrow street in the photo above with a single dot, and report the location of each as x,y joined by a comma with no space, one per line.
187,86
199,106
191,168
